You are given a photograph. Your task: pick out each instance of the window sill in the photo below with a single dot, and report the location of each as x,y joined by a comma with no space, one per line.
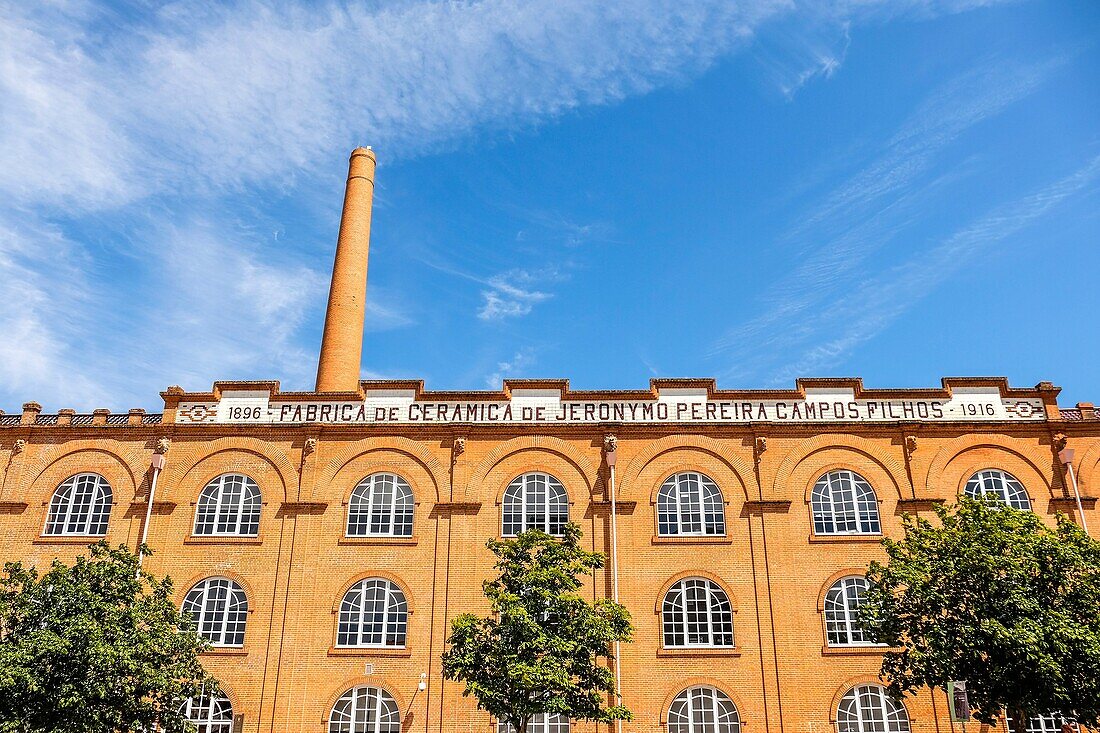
856,650
692,540
703,651
369,651
377,540
867,538
68,539
221,539
226,651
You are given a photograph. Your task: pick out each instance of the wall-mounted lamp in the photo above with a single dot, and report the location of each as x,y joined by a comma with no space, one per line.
423,682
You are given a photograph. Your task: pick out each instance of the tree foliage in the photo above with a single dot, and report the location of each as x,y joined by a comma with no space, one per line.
995,597
95,647
540,650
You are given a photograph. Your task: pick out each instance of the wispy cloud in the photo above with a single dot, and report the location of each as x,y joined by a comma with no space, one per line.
201,112
511,294
514,367
866,311
888,194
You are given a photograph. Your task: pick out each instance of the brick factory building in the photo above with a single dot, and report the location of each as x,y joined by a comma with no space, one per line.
324,540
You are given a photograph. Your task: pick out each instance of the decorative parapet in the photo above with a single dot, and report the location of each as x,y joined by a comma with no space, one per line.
667,401
840,401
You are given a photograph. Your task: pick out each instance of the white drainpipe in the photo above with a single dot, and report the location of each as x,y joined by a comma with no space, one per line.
1066,457
609,456
157,464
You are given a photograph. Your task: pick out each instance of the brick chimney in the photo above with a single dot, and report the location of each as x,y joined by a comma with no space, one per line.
342,342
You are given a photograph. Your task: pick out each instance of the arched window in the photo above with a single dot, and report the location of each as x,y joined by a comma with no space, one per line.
80,506
696,613
868,709
535,501
841,601
690,503
1049,723
997,483
540,723
382,504
365,710
219,608
209,714
229,505
373,613
844,503
703,710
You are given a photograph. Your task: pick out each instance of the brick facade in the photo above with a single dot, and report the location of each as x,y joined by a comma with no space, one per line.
775,571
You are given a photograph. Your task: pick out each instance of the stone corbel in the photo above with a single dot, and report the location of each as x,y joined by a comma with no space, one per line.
307,470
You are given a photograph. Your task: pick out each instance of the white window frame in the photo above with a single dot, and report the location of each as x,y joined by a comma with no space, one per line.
1008,489
718,603
844,612
234,610
521,489
249,501
540,723
395,614
363,700
893,717
672,492
207,714
368,499
828,505
1047,723
692,700
65,502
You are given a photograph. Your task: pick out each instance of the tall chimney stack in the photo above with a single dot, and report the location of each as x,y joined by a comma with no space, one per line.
342,342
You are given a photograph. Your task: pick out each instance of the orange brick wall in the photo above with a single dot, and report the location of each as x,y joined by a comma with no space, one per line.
775,572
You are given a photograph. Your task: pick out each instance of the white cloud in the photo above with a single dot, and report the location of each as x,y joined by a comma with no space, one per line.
510,295
515,367
849,224
863,313
198,109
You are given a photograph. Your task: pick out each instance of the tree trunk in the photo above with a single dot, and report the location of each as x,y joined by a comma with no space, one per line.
1019,720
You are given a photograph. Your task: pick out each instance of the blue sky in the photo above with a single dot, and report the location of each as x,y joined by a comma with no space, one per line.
753,190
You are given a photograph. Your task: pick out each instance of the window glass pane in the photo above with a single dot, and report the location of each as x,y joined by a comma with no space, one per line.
365,710
696,612
219,609
703,710
381,505
534,501
80,506
373,612
842,502
868,709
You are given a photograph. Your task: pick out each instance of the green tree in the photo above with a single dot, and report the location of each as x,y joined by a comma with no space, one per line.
540,650
995,597
95,647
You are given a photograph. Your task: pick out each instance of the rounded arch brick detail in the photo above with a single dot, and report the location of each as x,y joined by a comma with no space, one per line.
545,443
377,681
700,681
46,468
249,592
1088,469
956,448
694,573
891,465
381,575
178,474
832,579
853,682
50,458
741,468
397,444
